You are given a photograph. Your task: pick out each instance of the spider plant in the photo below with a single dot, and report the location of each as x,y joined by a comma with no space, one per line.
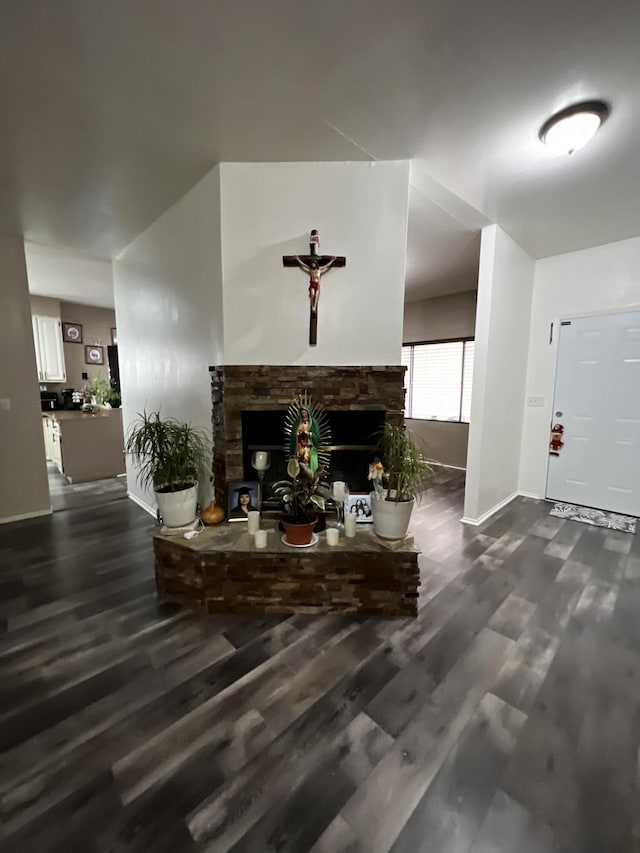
171,455
406,469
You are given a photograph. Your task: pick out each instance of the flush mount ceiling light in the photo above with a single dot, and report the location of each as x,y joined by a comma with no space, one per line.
574,126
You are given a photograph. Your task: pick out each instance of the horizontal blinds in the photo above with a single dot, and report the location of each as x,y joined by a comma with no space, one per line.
437,372
438,380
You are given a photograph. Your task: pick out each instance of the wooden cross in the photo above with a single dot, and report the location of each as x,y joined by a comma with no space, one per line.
315,266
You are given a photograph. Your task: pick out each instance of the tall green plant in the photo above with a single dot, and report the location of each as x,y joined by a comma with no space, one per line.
171,455
406,469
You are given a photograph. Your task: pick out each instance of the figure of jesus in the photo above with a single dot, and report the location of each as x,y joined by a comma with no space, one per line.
315,271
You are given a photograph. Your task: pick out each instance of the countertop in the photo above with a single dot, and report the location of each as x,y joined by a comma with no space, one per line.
75,414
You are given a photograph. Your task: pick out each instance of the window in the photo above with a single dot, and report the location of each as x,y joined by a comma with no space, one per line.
438,380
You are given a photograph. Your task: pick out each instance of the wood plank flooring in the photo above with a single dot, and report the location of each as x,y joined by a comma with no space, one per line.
504,719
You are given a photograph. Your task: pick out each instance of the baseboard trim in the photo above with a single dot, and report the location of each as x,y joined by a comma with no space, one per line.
476,522
444,465
142,504
532,496
25,516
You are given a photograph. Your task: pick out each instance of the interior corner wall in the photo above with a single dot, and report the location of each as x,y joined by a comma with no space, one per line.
360,210
168,296
603,279
441,318
24,489
505,285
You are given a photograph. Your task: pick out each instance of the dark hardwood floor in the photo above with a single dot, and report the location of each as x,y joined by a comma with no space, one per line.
504,719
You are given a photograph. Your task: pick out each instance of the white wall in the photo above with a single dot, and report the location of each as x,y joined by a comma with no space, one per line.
24,490
602,279
505,284
268,210
452,316
168,294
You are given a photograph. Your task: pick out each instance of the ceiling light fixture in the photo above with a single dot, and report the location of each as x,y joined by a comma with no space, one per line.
574,126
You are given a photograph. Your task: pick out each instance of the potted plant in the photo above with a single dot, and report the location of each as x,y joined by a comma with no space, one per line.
304,494
406,473
172,456
113,399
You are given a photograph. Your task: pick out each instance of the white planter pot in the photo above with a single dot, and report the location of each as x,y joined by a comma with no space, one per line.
178,508
391,518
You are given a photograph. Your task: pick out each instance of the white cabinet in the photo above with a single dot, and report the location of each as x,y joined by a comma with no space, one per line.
47,336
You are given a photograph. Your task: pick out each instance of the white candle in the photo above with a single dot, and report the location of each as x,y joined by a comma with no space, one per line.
339,490
261,460
350,525
254,521
261,538
332,536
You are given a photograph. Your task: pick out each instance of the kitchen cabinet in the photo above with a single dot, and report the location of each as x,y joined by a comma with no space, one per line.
83,446
47,337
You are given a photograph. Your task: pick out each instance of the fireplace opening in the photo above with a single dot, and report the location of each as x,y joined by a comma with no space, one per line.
353,439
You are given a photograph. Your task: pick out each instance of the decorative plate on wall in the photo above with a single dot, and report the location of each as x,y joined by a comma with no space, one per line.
93,354
72,333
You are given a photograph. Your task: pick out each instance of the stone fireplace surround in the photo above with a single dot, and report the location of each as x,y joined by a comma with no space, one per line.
238,388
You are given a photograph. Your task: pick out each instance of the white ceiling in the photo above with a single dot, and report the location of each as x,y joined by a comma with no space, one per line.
111,111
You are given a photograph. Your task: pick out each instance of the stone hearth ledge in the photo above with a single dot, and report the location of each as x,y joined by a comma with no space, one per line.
221,571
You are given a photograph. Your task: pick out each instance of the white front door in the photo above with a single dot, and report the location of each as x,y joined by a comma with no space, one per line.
597,400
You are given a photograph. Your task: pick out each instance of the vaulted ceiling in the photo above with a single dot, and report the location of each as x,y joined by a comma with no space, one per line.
112,110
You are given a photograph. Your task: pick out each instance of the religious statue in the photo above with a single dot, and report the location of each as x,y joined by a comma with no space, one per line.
315,271
305,440
376,475
307,434
315,265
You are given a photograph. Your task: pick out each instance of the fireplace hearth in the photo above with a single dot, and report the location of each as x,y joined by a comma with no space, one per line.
249,405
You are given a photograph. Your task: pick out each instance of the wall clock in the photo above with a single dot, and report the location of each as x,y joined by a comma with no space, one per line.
93,355
72,333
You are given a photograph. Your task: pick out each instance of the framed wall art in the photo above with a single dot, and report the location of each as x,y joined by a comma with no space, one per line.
72,333
93,354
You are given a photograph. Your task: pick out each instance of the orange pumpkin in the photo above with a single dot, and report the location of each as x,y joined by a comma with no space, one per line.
212,514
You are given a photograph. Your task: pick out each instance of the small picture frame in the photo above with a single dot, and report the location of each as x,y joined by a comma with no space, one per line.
72,333
243,498
359,504
114,337
93,354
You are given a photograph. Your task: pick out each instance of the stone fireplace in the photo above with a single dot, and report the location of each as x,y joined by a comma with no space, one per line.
249,402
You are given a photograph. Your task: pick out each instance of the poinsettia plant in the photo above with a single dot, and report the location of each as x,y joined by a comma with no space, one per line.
305,493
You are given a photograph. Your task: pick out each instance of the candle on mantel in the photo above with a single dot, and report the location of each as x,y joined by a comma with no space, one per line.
350,525
332,536
254,521
261,538
260,460
339,490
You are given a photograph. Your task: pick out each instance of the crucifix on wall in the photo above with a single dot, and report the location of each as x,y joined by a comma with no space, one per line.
315,265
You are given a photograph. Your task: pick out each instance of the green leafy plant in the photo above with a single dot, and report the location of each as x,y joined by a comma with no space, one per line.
172,455
113,398
406,469
97,388
305,493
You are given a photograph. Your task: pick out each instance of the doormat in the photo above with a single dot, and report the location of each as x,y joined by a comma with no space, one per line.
597,517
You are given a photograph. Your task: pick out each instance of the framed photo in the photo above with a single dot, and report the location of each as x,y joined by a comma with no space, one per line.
114,337
72,333
243,498
93,354
360,505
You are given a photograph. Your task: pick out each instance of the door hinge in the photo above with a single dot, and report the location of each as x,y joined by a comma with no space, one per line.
551,333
